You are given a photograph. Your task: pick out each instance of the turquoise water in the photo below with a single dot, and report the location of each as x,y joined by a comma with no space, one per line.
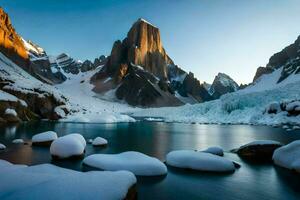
251,181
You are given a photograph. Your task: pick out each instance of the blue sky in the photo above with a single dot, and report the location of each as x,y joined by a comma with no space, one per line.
202,36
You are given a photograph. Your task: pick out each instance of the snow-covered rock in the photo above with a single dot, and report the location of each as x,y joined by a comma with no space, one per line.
135,162
273,107
260,149
99,141
51,182
196,160
18,141
214,150
2,146
45,138
89,141
288,156
296,127
6,166
10,111
69,146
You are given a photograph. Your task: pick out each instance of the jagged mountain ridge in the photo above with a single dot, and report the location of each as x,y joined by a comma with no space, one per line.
288,59
138,69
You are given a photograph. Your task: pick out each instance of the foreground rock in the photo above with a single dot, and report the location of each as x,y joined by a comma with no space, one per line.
69,146
135,162
195,160
52,182
99,141
261,150
214,150
44,139
288,156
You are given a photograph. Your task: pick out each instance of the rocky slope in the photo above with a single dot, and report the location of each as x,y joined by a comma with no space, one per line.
222,84
288,59
143,74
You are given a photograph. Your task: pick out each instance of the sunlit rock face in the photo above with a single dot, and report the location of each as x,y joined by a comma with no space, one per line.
142,47
11,43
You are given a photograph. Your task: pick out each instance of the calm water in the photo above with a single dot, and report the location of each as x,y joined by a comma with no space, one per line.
251,181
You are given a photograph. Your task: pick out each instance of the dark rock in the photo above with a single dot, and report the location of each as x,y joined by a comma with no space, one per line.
259,152
261,71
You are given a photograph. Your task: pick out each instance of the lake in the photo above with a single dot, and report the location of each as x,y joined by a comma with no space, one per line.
251,181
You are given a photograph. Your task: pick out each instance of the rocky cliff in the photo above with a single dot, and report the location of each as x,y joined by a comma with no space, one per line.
11,44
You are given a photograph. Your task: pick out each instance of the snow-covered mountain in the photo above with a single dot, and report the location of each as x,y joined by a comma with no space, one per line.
222,84
138,72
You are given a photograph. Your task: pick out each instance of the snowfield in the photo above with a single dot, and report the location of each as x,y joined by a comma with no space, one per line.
135,162
244,106
48,181
89,106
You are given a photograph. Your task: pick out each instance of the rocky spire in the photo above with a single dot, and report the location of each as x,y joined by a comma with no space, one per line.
142,47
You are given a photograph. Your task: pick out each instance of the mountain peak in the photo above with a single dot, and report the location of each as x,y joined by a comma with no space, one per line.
142,20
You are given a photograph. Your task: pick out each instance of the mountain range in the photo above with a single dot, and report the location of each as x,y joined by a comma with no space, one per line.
137,72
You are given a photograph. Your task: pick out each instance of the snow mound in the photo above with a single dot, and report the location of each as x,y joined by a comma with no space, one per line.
18,141
10,111
135,162
2,146
44,137
51,182
99,141
189,159
214,150
71,145
6,166
288,156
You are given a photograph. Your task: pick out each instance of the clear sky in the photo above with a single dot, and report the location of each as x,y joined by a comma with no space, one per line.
202,36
